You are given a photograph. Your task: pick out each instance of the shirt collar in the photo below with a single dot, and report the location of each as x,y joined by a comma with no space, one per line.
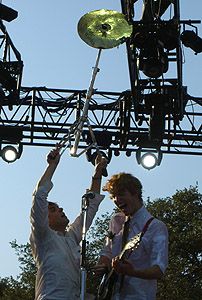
140,217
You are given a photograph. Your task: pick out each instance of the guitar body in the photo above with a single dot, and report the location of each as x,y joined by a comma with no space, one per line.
105,290
106,287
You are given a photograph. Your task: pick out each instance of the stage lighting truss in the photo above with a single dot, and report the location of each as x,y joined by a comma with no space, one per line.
11,67
157,113
46,115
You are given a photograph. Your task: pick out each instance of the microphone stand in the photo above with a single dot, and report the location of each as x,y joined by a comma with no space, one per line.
76,128
84,117
84,207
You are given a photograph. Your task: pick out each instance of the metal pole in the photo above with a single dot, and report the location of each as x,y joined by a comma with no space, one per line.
84,207
73,150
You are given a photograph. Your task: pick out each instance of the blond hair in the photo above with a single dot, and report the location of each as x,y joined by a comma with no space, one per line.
120,182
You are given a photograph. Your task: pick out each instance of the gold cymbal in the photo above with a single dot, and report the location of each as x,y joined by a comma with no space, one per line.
104,28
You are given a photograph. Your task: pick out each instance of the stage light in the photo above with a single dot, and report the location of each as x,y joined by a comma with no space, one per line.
103,138
149,158
154,63
10,153
12,135
7,78
191,40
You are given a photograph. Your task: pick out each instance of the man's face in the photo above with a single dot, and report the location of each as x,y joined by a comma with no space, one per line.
128,203
57,218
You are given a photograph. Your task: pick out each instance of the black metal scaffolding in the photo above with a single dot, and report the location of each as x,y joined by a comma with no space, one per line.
156,112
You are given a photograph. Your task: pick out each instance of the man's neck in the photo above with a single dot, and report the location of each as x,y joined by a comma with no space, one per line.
61,231
136,209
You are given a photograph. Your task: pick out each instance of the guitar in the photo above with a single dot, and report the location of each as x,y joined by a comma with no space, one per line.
105,289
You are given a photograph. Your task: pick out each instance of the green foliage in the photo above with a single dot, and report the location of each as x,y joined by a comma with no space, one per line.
21,288
96,234
183,216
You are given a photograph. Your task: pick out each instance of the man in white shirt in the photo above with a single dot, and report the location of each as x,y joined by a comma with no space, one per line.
55,243
137,275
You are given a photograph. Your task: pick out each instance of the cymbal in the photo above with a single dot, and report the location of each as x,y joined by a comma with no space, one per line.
104,28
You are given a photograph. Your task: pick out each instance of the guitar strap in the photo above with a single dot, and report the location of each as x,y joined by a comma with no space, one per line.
126,230
125,236
146,227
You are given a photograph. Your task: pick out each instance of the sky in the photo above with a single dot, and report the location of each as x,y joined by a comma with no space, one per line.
54,56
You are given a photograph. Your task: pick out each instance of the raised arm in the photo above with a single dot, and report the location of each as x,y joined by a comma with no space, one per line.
39,210
76,226
100,164
53,159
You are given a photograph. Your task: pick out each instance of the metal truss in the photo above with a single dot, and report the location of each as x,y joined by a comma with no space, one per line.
156,112
46,115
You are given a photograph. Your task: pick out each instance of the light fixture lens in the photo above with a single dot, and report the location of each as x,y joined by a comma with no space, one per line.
9,154
149,160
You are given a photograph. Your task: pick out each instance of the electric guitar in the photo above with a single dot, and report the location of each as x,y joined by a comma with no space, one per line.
105,289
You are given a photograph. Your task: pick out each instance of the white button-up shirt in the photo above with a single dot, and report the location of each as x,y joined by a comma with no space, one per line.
153,250
57,257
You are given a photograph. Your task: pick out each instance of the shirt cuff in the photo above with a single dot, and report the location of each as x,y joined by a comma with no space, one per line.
97,197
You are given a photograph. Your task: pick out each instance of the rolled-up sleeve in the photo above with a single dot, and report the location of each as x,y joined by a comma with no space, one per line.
39,210
159,249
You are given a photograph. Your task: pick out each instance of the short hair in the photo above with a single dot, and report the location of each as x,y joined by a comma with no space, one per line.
120,182
52,203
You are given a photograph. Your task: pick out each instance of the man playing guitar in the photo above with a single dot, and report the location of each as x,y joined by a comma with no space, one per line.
138,272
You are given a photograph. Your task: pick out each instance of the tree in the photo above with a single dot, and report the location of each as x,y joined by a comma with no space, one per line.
23,286
96,235
183,216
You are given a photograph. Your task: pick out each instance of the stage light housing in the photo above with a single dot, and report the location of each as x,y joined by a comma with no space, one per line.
103,138
191,40
11,136
10,153
149,158
153,64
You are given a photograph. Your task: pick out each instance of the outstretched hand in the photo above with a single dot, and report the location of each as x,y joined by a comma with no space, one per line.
100,163
53,159
54,156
